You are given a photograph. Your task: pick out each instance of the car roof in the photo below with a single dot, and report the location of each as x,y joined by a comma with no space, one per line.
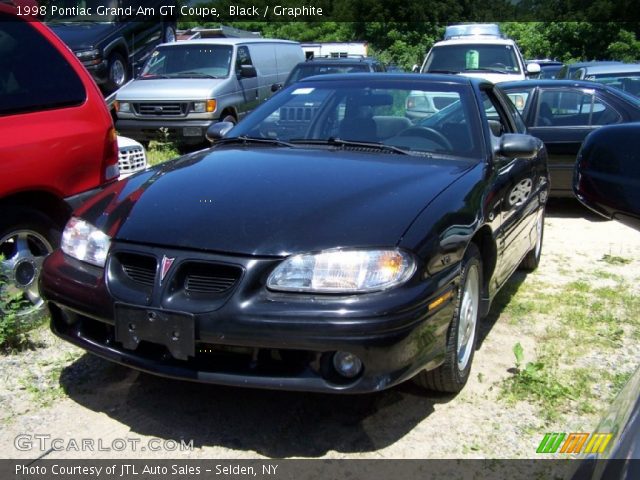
575,65
549,82
336,61
227,41
613,68
545,62
475,40
385,77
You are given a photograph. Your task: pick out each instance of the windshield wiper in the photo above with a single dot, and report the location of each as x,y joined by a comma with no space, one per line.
152,76
486,69
193,75
455,72
339,142
246,140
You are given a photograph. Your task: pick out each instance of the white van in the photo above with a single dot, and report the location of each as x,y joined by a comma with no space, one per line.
478,50
187,86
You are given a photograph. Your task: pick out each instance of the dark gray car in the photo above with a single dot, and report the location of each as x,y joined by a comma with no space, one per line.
562,113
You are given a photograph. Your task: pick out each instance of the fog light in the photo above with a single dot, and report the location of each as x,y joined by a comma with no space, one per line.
347,364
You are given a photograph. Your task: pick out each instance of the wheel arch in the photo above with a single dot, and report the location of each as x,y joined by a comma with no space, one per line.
49,204
483,239
230,110
117,46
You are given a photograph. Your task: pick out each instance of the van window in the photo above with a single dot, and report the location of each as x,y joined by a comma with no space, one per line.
188,61
22,87
243,57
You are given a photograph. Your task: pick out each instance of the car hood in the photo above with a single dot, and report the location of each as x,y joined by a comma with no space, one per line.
81,35
169,89
272,201
495,77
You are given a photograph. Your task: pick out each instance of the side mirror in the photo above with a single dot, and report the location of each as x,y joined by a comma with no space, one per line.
518,145
218,130
248,71
533,68
275,87
606,177
415,68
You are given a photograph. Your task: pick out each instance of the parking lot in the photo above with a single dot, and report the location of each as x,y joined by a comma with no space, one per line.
577,315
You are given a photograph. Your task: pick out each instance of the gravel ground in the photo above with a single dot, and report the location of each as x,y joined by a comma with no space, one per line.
55,389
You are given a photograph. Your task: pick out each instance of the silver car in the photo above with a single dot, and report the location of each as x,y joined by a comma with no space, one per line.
187,86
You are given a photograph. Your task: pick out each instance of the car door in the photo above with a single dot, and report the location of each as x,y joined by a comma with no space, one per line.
516,184
562,118
248,85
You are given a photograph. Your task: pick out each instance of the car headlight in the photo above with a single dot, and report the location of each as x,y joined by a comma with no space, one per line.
207,106
343,271
83,241
86,55
124,107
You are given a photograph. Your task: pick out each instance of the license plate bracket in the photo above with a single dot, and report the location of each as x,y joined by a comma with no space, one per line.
174,330
192,131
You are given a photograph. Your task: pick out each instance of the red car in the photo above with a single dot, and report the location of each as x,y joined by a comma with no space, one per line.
57,145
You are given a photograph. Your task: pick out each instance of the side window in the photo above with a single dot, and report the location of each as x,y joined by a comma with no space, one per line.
604,114
22,86
573,109
496,117
519,98
243,57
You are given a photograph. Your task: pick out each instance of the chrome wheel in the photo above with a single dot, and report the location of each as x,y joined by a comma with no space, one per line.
23,252
117,72
169,34
468,317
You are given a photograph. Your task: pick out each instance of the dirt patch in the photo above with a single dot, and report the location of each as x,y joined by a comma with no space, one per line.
57,390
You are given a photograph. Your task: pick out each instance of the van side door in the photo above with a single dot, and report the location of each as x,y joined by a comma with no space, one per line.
247,81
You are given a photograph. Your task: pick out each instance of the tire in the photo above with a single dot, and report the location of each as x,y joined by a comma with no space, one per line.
452,375
230,118
532,259
117,71
26,238
168,33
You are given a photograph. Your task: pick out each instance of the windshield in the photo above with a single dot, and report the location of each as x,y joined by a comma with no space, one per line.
83,11
473,58
189,61
310,69
376,112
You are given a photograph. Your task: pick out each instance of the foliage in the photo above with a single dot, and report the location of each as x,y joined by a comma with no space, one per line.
614,259
159,152
540,381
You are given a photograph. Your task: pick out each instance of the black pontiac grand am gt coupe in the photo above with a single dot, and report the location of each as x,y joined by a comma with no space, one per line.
325,243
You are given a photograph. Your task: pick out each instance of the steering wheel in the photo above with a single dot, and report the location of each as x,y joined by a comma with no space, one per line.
428,133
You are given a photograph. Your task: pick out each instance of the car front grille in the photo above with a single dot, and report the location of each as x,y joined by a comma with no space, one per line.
161,109
203,278
139,268
131,159
188,282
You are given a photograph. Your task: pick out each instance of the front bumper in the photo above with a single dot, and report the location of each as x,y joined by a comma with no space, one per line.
99,72
183,131
250,336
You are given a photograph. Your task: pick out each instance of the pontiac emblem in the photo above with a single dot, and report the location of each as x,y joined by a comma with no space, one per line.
165,266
